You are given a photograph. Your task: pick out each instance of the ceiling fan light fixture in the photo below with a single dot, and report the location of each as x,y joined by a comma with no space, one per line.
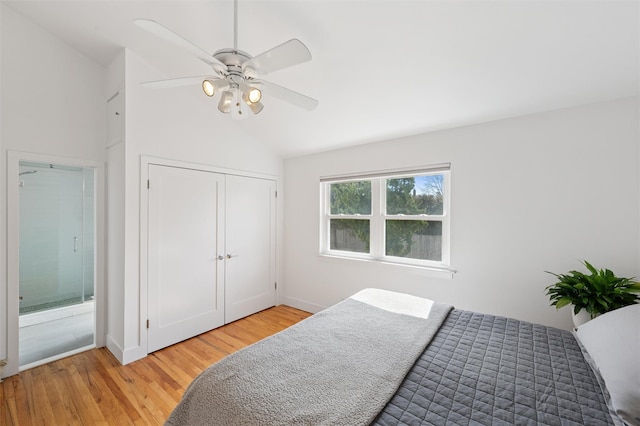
208,88
225,102
251,96
255,107
254,95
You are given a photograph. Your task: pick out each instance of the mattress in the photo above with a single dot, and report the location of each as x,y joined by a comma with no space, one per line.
488,370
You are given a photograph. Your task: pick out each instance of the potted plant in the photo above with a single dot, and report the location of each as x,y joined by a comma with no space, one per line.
598,292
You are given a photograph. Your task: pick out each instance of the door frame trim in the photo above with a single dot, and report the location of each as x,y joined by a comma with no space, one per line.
145,162
13,247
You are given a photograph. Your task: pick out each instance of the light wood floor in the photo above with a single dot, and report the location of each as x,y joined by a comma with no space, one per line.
92,388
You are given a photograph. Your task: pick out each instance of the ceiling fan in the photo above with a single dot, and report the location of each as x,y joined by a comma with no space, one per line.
236,74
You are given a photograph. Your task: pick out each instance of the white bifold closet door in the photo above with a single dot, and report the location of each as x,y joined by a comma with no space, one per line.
211,251
186,279
250,277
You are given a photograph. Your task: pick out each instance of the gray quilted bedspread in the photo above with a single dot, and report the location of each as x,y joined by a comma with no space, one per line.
487,370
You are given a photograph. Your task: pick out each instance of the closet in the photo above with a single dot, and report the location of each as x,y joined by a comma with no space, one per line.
210,253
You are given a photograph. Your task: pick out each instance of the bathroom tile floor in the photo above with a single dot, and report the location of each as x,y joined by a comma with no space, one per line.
55,332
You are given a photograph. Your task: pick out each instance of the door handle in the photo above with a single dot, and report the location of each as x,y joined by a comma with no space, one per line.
75,244
220,257
229,256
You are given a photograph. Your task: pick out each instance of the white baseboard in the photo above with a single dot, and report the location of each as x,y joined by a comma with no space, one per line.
133,354
2,365
115,349
302,305
125,356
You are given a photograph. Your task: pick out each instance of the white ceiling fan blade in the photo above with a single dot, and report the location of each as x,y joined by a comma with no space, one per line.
165,33
178,82
292,52
287,95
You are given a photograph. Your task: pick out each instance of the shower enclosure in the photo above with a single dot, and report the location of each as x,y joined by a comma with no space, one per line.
56,268
56,238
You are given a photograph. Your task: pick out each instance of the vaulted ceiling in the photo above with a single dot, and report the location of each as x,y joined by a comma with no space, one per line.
380,69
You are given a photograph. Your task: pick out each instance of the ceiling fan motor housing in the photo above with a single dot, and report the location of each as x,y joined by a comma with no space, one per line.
233,59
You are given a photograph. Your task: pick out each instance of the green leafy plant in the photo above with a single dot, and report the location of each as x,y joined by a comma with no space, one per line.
598,292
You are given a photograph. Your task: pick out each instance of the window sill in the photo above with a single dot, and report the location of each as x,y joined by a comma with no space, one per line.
438,272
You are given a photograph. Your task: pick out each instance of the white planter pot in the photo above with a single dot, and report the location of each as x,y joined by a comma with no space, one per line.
580,318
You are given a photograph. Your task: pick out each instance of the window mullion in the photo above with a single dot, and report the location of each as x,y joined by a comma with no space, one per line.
325,190
446,220
377,221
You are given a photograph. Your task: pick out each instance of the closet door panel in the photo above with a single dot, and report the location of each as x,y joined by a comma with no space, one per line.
250,246
185,287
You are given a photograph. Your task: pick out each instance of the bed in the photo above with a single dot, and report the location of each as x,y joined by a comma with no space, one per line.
386,358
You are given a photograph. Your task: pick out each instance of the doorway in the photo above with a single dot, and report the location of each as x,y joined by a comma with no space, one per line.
55,265
56,260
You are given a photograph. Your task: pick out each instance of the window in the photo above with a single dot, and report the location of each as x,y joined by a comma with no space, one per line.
398,217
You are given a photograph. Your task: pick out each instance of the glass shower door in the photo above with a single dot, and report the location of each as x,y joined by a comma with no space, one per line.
56,266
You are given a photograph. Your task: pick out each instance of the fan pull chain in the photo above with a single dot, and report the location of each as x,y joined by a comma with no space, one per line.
238,105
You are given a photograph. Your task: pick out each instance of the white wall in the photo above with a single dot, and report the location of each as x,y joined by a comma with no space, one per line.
3,254
52,95
52,104
116,115
173,124
529,194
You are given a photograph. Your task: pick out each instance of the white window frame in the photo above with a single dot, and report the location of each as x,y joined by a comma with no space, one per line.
378,217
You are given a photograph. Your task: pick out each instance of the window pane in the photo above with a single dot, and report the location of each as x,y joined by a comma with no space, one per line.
415,195
416,239
350,235
351,197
